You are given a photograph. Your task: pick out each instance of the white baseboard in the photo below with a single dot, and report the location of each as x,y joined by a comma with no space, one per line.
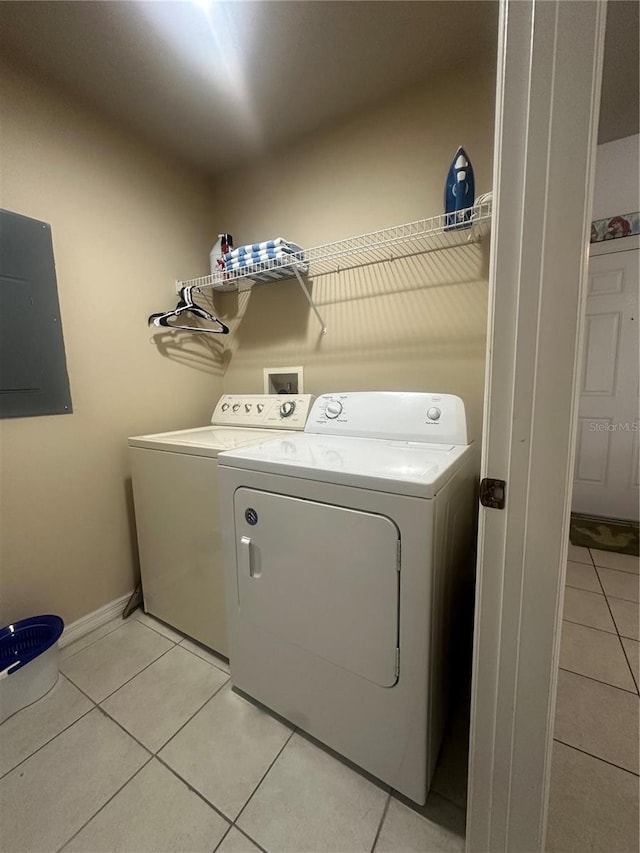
86,624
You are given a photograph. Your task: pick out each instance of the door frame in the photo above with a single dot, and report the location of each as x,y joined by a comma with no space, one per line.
547,107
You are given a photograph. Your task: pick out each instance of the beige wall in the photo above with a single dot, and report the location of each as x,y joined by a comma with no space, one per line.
617,180
126,222
415,325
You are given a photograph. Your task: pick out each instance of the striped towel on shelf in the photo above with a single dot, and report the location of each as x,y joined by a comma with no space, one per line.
279,243
266,261
267,270
261,257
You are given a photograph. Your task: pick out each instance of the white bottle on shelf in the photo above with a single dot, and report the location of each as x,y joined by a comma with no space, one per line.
216,261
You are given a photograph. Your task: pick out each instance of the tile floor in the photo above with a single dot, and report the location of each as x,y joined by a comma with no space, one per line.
594,779
142,746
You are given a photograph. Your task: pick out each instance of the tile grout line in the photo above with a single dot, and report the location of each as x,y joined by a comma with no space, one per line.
249,838
265,774
151,628
97,707
617,598
124,622
104,805
88,645
624,651
624,571
168,767
626,657
146,748
197,711
221,842
225,672
584,589
210,652
619,571
252,840
598,680
382,820
604,631
193,789
635,681
294,731
183,638
627,637
120,726
86,695
591,627
53,737
109,695
593,559
597,757
607,594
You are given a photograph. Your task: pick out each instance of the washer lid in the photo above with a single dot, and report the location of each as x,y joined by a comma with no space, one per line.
204,441
410,468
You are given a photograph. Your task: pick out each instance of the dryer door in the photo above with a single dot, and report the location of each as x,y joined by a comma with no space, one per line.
323,577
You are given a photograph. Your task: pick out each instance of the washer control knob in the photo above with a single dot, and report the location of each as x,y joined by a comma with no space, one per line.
287,409
434,413
260,408
236,406
334,408
247,407
225,406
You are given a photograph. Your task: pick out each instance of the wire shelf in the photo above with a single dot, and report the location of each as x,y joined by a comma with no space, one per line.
400,241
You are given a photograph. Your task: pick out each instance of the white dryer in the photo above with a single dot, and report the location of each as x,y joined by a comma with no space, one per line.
175,488
346,547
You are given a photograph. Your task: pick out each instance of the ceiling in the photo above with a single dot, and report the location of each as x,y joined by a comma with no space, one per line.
217,83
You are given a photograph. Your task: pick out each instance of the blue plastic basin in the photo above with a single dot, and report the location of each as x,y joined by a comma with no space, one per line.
25,640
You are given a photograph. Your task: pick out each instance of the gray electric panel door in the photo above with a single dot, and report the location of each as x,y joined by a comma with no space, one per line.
33,367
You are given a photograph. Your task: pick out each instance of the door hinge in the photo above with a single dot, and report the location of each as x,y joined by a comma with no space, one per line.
493,493
397,663
398,554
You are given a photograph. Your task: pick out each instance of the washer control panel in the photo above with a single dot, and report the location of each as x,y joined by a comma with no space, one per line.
394,415
333,409
263,411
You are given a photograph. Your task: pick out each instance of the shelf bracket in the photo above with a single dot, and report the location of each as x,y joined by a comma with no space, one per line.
305,290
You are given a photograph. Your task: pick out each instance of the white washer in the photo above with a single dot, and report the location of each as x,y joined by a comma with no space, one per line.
346,547
175,492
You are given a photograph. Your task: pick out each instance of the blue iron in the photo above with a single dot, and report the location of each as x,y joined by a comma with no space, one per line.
459,192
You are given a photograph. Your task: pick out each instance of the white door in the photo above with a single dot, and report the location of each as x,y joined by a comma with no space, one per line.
548,93
606,469
322,577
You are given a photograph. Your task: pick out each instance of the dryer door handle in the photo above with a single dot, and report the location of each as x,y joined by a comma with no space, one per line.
247,563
